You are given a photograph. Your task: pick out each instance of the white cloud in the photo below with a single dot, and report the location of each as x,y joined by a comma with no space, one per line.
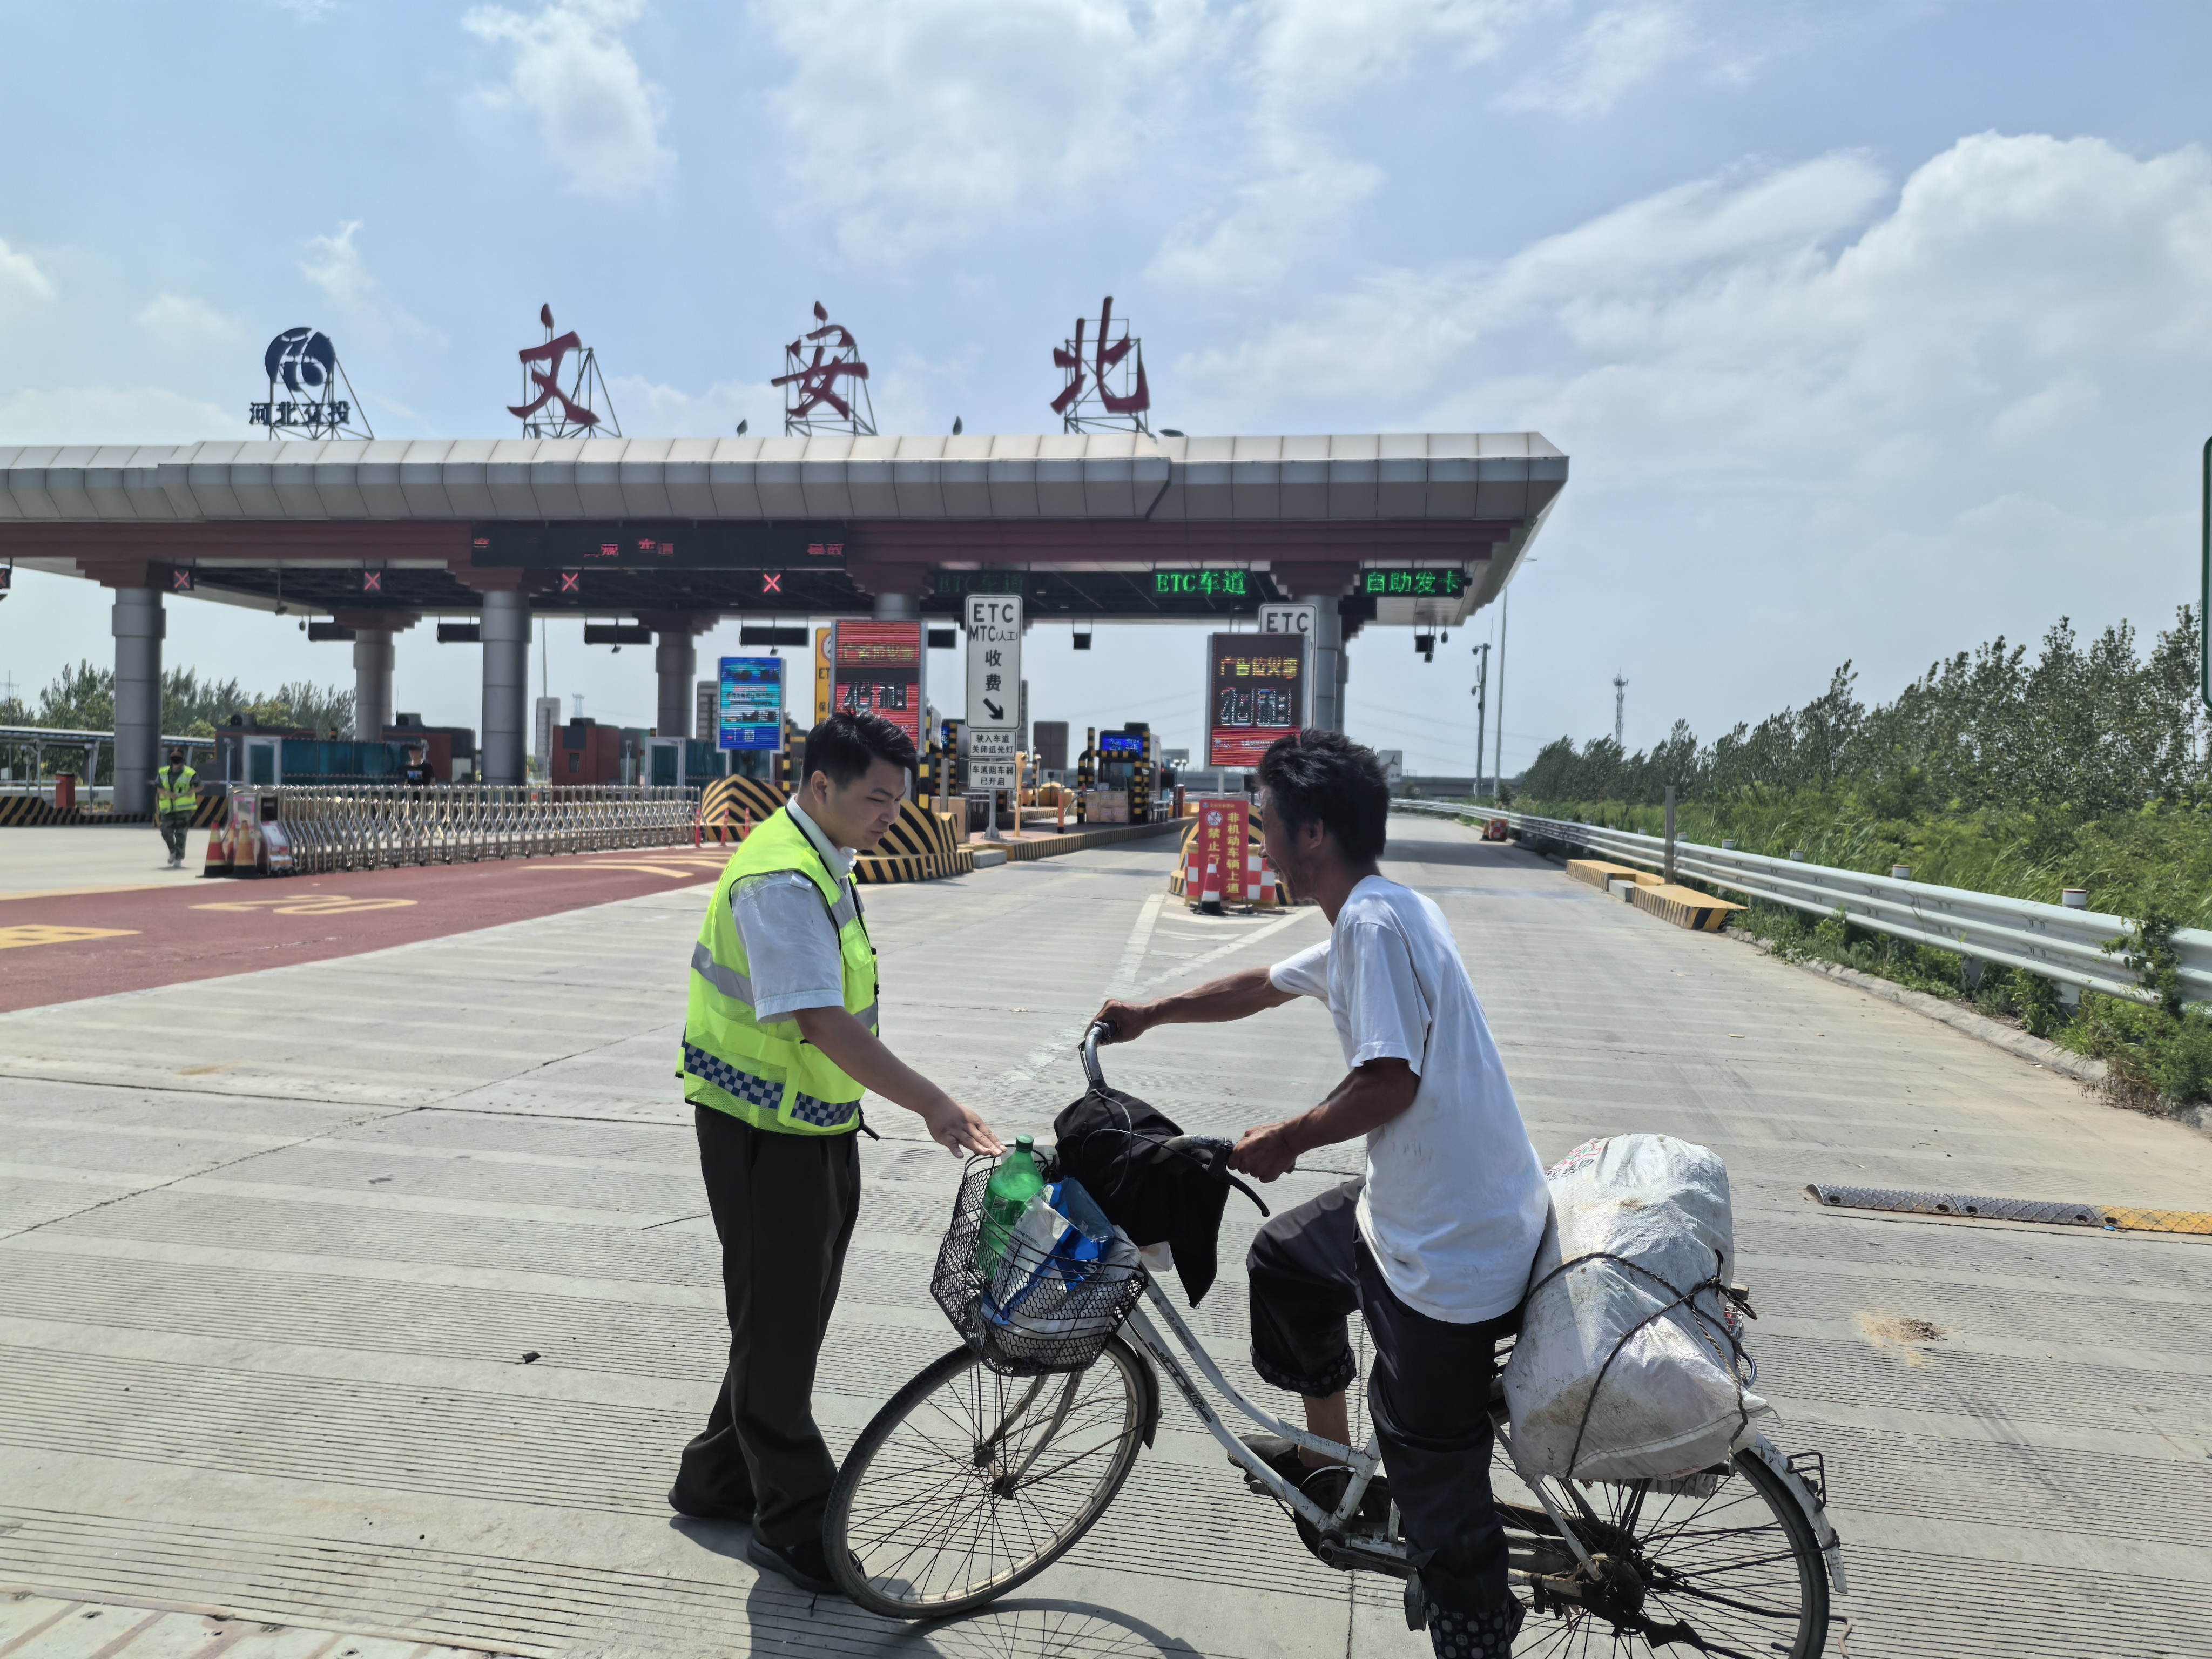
21,281
113,415
308,11
650,409
597,115
338,268
916,122
179,320
1619,49
1321,50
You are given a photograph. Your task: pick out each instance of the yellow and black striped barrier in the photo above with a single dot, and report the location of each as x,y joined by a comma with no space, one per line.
1685,907
920,845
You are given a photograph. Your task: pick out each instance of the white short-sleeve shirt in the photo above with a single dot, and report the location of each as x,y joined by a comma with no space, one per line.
791,944
1455,1201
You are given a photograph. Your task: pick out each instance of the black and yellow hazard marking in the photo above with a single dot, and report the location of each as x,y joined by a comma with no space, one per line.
1685,907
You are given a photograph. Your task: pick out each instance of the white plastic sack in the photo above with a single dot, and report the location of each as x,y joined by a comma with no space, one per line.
1671,1402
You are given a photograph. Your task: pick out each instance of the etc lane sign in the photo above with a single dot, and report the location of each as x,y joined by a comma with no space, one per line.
1287,619
995,688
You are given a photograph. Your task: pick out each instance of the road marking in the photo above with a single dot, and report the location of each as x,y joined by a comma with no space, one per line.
693,872
35,933
310,904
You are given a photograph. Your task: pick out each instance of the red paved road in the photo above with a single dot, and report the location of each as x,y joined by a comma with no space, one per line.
87,944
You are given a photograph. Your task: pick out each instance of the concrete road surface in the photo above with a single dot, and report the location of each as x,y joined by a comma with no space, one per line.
276,1247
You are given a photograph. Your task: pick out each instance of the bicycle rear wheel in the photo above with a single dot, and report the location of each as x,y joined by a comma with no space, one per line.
1740,1568
968,1483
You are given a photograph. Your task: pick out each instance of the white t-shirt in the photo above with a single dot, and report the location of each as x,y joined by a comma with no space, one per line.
1455,1200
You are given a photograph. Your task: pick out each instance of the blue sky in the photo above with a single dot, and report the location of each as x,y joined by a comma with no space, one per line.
1872,331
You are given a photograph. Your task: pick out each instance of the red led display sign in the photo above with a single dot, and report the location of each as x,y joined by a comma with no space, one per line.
1255,693
876,669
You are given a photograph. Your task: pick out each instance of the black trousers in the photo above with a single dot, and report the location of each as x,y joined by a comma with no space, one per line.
785,1207
174,826
1428,1398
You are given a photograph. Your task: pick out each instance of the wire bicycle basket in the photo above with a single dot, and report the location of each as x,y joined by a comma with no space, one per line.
1027,1311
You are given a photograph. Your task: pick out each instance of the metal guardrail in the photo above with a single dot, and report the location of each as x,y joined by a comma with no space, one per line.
2062,945
370,827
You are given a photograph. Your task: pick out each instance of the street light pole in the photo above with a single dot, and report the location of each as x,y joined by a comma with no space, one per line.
1481,689
1504,604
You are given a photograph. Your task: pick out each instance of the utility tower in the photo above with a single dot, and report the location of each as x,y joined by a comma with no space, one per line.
1620,707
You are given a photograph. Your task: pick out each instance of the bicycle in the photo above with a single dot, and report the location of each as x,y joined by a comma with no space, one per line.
971,1481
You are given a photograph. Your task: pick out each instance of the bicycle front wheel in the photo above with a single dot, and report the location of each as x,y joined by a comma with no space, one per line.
968,1483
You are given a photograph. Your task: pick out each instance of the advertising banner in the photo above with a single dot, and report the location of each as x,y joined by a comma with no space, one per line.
1217,851
876,669
750,712
1255,693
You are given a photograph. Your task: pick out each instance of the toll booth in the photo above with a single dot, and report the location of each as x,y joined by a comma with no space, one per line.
1117,776
682,764
267,756
451,750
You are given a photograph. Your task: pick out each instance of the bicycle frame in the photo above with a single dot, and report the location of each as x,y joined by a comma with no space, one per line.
1362,1462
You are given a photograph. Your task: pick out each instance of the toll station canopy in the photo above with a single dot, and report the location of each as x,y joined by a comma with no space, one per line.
1400,529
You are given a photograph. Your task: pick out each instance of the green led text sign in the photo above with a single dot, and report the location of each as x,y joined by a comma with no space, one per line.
1413,584
1203,584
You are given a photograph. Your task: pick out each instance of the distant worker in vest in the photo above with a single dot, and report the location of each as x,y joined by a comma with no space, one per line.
779,1044
176,793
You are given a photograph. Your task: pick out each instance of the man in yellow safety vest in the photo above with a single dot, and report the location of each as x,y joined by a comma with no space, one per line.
779,1044
175,795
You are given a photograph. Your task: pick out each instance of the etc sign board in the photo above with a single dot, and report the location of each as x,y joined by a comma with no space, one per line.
748,712
995,688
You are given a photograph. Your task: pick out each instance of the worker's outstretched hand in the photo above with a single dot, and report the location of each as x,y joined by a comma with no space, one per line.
1130,1020
958,1130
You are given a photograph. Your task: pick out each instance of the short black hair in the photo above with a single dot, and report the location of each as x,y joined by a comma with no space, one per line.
1315,775
846,745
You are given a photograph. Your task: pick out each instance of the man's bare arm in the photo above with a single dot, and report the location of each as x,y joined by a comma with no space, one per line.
1370,1097
861,1054
1233,996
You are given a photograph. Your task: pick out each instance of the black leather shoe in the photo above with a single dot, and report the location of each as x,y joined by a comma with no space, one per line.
803,1563
740,1515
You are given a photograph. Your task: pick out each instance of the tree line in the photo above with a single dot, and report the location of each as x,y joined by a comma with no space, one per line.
82,699
2094,725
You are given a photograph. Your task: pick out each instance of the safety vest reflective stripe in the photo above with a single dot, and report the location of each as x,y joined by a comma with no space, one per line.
728,981
845,910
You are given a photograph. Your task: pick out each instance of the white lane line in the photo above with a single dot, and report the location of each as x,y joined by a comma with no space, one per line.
423,1204
80,1177
1061,1042
147,1131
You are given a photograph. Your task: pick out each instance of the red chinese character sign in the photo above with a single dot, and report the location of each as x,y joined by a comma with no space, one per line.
549,410
1255,693
825,384
876,669
1106,390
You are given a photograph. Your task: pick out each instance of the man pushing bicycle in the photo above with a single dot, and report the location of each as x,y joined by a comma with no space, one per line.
1433,1244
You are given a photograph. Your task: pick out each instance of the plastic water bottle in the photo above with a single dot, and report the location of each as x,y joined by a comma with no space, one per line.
1008,1193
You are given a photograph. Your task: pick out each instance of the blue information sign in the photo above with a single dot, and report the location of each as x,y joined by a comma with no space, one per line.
750,709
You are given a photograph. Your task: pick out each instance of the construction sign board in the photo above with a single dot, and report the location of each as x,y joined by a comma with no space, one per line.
1220,852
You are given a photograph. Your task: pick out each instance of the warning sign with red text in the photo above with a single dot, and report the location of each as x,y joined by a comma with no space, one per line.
1255,693
1218,851
876,669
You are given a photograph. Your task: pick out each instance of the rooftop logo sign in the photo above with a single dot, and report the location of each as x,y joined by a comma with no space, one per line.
573,410
304,362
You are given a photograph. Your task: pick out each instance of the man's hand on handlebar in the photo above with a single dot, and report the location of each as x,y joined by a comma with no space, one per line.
1129,1020
1265,1153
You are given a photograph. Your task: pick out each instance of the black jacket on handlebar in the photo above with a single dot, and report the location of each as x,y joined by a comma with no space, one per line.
1114,1143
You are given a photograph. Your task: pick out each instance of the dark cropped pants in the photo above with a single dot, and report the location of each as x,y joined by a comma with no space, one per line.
1428,1398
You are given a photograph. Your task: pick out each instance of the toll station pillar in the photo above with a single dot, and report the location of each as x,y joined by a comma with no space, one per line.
505,685
1328,664
138,625
676,661
371,683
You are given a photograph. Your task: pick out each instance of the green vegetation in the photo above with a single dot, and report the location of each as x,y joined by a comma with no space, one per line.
82,699
2089,767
